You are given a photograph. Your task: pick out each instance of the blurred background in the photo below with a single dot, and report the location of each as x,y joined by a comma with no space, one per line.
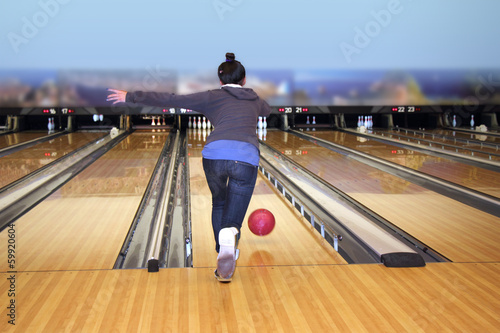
66,53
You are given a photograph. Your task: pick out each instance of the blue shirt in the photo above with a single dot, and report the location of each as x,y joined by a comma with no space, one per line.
231,150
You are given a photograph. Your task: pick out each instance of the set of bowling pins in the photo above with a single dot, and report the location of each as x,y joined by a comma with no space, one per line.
262,123
200,123
313,121
454,121
51,126
366,121
98,117
309,122
158,123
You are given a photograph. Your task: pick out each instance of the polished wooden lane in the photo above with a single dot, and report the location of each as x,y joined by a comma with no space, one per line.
457,231
19,164
456,142
84,223
17,138
441,297
478,135
479,179
292,242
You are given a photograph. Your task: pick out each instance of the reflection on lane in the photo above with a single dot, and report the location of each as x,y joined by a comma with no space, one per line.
479,179
474,144
19,164
480,136
124,170
17,138
346,174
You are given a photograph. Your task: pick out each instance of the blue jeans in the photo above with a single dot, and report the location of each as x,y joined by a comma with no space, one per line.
232,184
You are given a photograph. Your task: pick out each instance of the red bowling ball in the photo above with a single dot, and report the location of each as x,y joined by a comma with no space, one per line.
261,222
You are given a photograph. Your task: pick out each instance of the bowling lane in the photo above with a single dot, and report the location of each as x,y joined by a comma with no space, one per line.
84,223
453,229
454,141
16,138
292,242
21,163
479,179
481,136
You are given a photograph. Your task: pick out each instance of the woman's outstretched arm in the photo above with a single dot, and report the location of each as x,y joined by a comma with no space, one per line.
116,96
195,101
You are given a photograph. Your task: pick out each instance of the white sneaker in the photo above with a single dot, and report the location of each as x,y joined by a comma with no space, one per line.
226,260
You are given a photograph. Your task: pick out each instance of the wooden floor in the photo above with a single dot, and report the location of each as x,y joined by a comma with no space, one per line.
289,281
440,297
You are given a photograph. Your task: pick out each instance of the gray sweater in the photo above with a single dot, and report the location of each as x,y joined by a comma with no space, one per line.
233,111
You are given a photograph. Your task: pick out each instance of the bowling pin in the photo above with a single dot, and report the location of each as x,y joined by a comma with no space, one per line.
190,124
264,123
49,126
199,122
209,124
454,123
153,121
204,124
314,120
359,121
259,123
101,117
95,117
164,121
472,121
307,121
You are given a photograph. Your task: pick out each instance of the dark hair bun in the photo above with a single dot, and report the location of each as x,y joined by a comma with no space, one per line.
230,56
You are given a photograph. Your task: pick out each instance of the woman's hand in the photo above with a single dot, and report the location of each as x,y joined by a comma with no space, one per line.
116,96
